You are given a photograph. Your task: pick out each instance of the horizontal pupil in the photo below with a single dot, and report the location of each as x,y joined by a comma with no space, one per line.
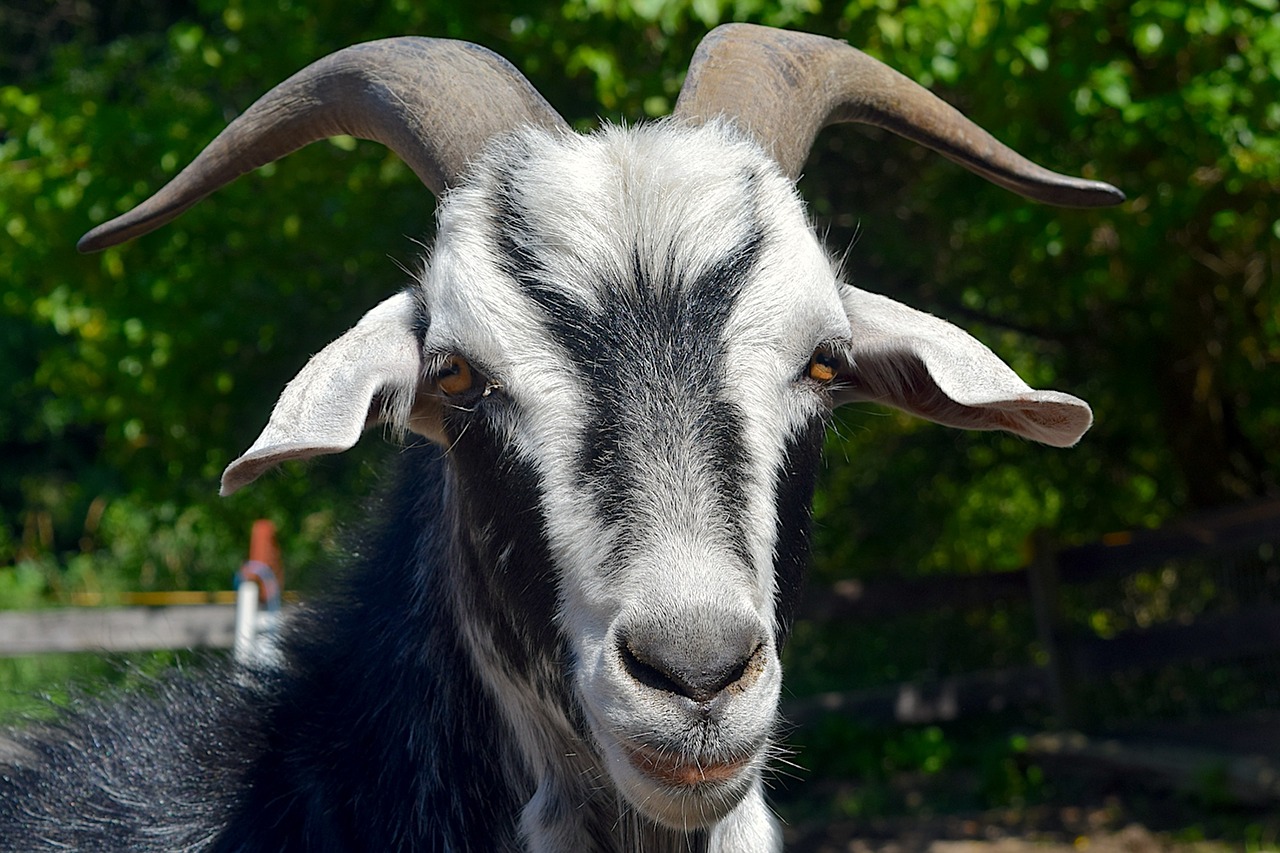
822,367
454,377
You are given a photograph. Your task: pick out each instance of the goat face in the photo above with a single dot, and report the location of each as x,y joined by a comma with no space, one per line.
629,343
638,311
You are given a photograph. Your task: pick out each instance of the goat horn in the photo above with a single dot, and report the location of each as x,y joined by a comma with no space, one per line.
434,102
799,83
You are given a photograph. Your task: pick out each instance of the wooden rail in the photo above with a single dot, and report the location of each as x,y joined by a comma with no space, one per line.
1206,534
1248,631
1117,554
117,629
158,620
1245,778
928,701
1073,656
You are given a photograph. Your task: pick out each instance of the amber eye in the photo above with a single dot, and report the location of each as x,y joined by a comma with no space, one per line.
455,376
823,365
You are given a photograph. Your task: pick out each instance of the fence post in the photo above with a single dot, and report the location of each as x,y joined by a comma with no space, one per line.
259,582
1043,582
264,548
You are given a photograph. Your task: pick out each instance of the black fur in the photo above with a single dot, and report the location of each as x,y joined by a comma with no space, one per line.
157,770
649,338
796,479
379,735
513,588
381,731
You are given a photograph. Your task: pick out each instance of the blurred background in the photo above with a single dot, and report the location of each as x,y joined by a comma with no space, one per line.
1003,642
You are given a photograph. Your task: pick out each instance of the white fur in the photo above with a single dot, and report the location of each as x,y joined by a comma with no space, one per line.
678,198
677,192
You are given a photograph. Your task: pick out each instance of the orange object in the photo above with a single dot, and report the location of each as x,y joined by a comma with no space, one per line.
263,548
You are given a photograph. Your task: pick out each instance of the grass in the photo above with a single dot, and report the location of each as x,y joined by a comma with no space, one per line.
37,686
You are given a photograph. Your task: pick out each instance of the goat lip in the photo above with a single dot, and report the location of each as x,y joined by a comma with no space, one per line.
675,771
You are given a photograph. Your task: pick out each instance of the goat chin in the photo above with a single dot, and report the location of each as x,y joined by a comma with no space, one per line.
693,794
682,764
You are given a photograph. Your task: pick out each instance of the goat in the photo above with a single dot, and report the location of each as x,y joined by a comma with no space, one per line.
562,633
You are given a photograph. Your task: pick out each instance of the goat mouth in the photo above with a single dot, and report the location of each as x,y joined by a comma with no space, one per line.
675,770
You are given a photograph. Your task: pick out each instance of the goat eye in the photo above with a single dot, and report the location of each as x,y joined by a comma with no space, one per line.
823,365
455,376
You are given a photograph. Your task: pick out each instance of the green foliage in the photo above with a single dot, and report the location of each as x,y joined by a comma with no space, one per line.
130,378
36,687
133,376
1161,313
839,655
137,374
915,770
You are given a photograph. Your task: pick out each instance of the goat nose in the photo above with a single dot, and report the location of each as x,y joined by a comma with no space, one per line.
699,664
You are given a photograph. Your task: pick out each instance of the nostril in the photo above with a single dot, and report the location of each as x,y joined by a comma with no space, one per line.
648,674
698,677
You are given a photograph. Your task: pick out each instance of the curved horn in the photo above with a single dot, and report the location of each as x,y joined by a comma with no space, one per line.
784,87
434,102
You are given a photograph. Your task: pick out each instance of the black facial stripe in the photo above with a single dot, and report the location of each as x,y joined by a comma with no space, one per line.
516,243
658,399
651,358
513,590
655,365
797,476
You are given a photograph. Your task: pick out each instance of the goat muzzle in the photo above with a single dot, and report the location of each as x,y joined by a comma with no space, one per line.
675,769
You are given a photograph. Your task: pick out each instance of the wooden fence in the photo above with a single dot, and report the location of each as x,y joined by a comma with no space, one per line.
117,629
1073,657
161,620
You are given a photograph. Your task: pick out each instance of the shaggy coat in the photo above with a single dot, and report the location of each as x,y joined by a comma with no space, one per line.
615,369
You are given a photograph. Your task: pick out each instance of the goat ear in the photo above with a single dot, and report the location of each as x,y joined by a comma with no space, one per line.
915,362
369,375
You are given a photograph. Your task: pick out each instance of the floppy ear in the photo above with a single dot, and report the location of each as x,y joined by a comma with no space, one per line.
913,361
371,374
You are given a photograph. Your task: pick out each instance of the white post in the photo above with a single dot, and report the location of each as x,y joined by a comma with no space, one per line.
246,620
